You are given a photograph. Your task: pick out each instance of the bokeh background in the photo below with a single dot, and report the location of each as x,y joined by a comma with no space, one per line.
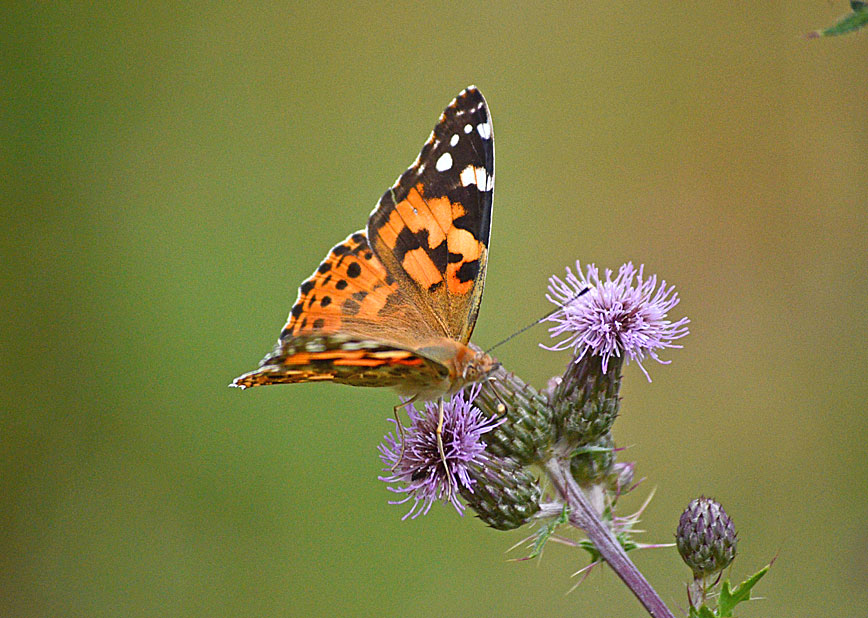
170,173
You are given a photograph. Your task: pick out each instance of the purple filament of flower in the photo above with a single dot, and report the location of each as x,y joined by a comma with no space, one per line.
420,473
616,317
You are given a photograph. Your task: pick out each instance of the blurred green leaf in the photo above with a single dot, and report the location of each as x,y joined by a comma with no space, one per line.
849,23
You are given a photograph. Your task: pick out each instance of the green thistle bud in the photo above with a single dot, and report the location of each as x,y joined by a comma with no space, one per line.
504,494
706,537
592,463
527,433
586,401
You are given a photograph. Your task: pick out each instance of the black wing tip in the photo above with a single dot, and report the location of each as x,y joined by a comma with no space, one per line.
472,94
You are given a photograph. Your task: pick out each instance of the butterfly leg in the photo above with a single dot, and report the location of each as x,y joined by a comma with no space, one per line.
440,448
502,405
401,433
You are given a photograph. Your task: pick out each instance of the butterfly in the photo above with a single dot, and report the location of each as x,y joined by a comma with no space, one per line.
394,304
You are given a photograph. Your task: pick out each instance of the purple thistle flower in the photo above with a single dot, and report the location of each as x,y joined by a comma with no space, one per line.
420,472
615,317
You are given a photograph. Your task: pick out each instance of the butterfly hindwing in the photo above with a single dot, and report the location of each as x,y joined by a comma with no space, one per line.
431,229
352,294
338,358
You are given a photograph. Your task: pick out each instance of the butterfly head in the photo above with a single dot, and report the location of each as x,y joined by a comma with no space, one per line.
477,367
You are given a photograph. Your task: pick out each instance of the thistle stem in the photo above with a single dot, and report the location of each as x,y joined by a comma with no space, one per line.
584,516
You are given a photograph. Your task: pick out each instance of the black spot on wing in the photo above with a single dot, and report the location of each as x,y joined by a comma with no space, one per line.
438,255
468,271
410,241
477,216
354,270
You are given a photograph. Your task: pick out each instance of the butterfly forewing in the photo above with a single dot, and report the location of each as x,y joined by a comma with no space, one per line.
431,229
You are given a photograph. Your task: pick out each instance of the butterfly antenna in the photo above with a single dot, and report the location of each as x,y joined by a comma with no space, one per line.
535,322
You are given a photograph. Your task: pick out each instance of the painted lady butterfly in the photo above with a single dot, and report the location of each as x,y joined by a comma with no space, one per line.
394,305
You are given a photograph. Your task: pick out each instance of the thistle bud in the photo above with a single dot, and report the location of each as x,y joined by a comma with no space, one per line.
503,494
586,401
706,537
527,432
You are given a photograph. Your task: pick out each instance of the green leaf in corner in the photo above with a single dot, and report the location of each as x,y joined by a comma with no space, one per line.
729,598
850,22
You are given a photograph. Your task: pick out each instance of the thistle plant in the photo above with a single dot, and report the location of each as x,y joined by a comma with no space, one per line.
706,540
518,456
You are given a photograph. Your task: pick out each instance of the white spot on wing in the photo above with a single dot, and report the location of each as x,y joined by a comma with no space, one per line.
315,345
484,130
468,128
454,141
444,162
476,176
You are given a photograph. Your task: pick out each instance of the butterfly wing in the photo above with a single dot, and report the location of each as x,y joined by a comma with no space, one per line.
351,294
351,323
431,228
346,360
370,311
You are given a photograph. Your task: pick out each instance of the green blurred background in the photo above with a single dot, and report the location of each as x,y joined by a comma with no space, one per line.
171,173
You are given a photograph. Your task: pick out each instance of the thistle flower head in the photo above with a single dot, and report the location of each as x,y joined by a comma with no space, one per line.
620,317
420,473
706,537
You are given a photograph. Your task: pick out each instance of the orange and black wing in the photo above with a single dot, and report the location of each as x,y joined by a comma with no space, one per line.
351,323
431,229
370,306
342,359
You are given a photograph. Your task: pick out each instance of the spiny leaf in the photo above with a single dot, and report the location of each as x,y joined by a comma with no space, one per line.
545,533
729,598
